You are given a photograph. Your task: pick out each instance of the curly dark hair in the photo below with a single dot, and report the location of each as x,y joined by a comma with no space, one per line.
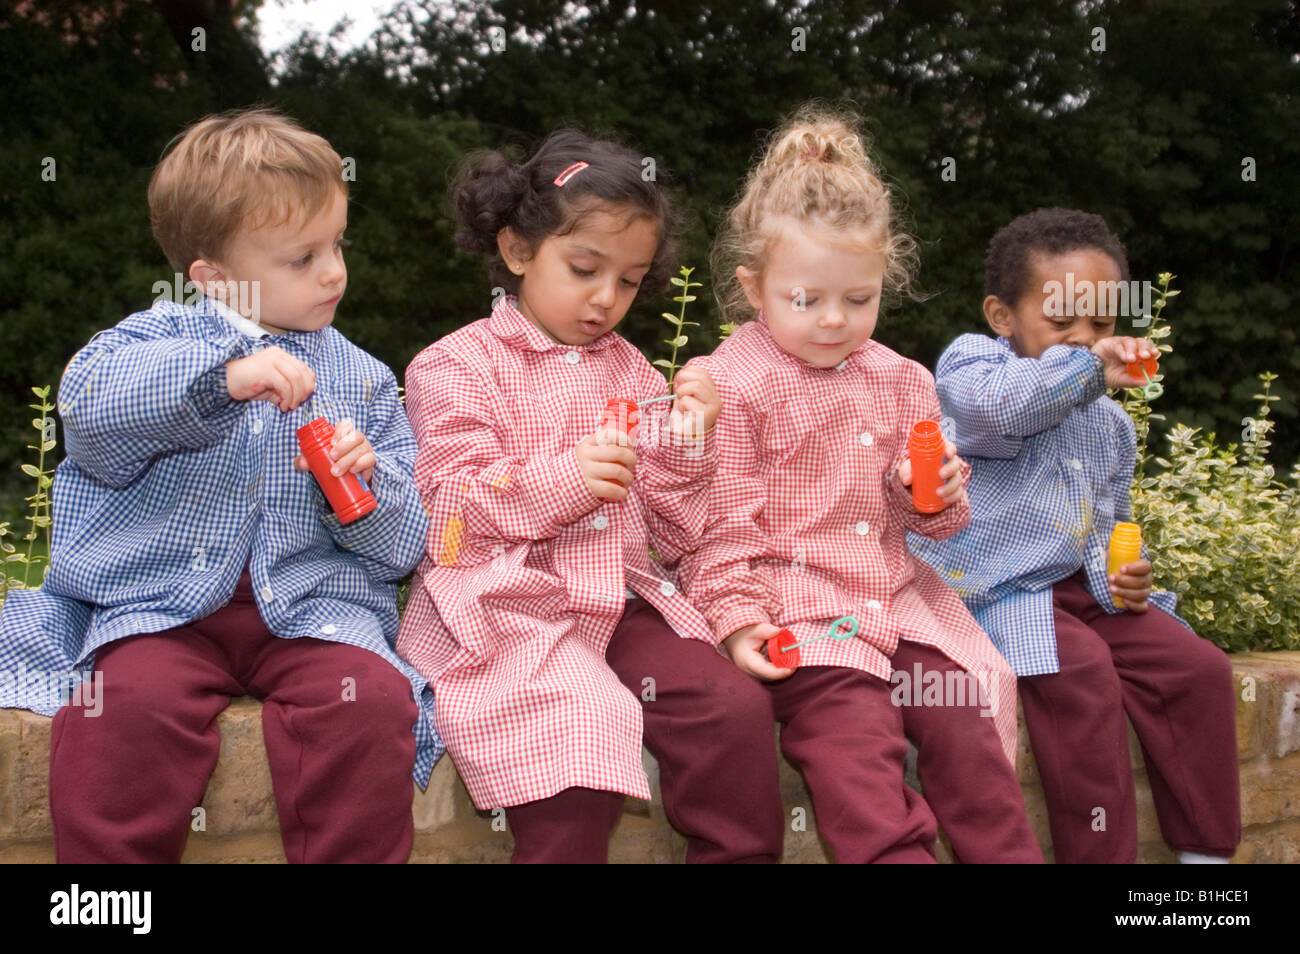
1052,231
491,192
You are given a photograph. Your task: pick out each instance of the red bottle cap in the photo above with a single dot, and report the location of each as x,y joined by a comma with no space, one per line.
778,651
620,415
1150,366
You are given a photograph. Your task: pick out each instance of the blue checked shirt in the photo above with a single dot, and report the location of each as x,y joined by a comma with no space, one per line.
1052,459
169,485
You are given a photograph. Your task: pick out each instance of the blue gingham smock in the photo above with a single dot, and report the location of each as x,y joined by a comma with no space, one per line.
169,485
1052,460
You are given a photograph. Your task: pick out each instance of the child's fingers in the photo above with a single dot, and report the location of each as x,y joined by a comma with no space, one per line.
1139,606
607,490
356,460
611,472
905,473
752,660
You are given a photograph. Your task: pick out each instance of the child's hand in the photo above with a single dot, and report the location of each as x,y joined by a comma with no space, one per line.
608,463
952,490
1132,584
350,451
745,647
270,375
1118,352
697,405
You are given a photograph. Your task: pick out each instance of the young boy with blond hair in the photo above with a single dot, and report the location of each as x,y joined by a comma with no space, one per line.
195,557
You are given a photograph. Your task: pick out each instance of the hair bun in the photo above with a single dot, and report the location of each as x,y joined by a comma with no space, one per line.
484,196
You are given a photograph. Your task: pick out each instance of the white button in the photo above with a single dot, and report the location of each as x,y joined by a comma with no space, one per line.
842,365
1076,464
873,604
572,357
862,528
666,588
268,594
257,425
865,439
329,629
600,521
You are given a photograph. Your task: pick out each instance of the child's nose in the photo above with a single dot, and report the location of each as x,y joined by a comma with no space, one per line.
605,293
832,318
334,271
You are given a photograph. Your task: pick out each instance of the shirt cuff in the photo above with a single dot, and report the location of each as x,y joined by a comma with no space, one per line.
733,616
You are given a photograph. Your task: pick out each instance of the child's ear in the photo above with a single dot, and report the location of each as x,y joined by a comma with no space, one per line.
513,249
748,279
998,315
209,276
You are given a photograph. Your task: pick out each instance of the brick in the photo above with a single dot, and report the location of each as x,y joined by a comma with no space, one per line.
32,788
245,848
1156,853
239,798
443,801
1273,728
1270,790
28,851
10,733
1148,824
1276,844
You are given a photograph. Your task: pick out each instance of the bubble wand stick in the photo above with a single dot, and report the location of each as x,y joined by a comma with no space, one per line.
787,656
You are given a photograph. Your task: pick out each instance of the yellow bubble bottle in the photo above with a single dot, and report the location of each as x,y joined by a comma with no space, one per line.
1125,547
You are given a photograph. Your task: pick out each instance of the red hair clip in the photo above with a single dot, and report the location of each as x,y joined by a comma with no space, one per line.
570,172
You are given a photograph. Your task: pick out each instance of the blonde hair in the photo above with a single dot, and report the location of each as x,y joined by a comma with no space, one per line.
243,168
816,170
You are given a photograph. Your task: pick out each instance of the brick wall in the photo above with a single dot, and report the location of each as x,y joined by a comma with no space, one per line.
241,826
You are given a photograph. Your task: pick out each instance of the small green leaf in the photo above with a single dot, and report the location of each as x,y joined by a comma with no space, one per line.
662,363
678,282
679,341
30,470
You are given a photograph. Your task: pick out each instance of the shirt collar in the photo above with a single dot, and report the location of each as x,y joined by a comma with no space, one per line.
307,342
239,322
512,326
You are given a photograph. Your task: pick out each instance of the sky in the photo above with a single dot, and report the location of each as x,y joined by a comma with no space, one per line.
281,21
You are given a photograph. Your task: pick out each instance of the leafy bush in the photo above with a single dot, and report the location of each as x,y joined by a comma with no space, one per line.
1223,533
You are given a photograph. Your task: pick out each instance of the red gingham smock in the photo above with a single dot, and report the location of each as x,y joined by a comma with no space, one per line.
522,582
807,515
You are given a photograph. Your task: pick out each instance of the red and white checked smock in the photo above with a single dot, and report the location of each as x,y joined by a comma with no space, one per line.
807,515
522,582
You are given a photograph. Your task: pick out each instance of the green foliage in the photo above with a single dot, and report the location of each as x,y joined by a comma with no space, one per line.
1222,532
38,504
679,323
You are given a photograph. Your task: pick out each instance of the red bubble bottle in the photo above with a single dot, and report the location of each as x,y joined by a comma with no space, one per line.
1125,547
345,494
619,415
925,448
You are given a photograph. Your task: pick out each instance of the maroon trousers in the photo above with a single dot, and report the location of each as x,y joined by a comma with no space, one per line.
844,731
708,725
336,719
841,730
967,779
1177,690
